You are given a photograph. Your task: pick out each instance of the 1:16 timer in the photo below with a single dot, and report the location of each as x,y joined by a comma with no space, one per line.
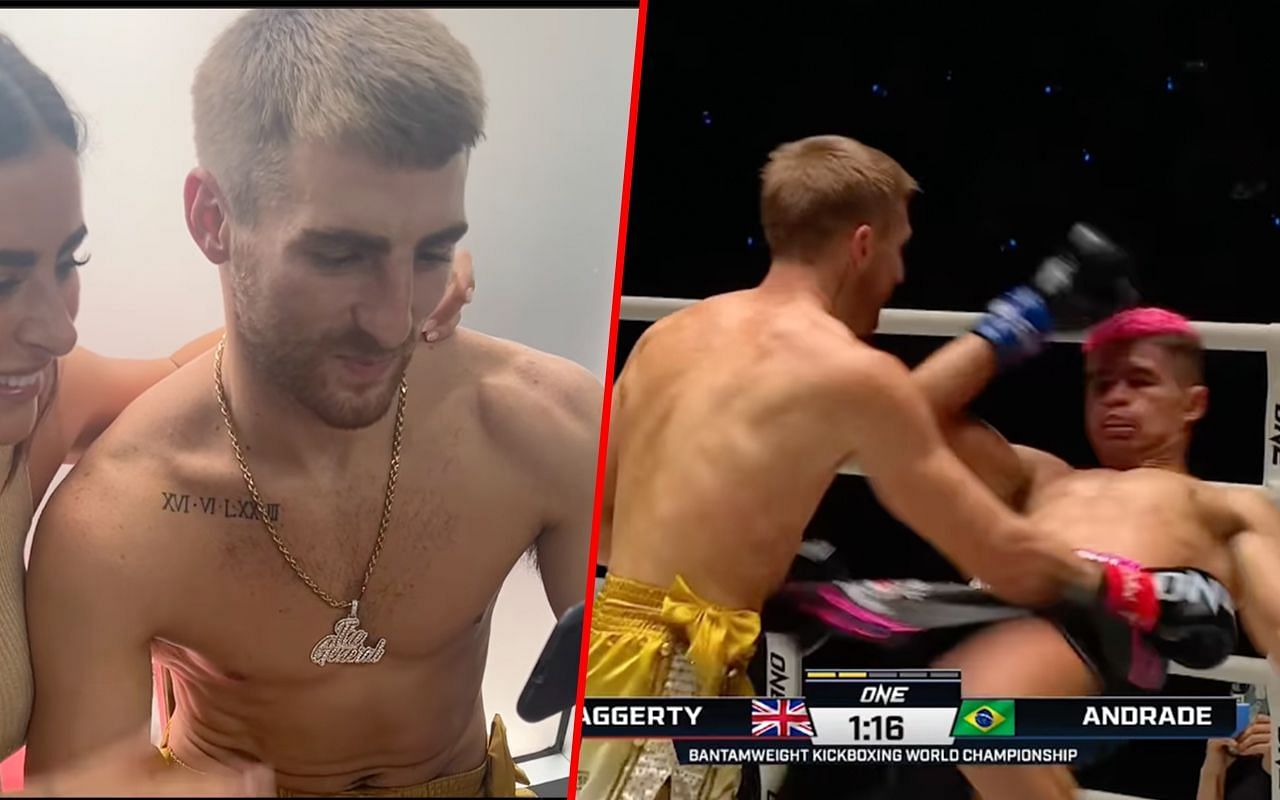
875,728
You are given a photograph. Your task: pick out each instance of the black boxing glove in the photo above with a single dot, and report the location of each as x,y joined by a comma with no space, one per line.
1087,281
1090,279
1140,618
1197,622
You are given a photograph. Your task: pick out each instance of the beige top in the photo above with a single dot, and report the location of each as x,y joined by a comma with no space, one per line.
15,656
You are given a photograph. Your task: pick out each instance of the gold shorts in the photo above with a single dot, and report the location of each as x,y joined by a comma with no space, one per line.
498,776
651,642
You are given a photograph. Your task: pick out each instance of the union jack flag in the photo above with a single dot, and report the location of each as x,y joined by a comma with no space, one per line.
780,718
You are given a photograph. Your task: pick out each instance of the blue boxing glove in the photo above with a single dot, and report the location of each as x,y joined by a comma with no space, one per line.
1016,324
1087,281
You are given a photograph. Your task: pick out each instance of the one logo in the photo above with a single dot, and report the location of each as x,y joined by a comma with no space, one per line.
781,717
1193,587
783,678
984,717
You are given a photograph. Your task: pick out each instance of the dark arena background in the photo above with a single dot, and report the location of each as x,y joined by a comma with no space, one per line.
1156,123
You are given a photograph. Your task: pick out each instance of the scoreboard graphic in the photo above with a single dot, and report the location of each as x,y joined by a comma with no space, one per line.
876,715
883,706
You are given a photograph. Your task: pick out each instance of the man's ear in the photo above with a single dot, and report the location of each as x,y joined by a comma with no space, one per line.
206,214
860,244
1197,404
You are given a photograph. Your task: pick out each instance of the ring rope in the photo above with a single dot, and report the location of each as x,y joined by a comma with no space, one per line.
1244,336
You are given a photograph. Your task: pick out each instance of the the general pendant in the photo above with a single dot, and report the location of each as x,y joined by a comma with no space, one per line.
346,644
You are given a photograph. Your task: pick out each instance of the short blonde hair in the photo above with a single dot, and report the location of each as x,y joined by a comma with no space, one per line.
816,187
393,85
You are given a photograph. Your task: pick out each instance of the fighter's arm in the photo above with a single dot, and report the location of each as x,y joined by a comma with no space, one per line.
1255,551
953,376
1084,282
950,378
570,453
921,482
91,609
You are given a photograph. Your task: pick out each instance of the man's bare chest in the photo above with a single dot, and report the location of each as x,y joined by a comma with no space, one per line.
245,605
1111,497
1156,518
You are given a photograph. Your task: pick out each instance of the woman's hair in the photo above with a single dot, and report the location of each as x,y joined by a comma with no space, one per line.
31,107
32,111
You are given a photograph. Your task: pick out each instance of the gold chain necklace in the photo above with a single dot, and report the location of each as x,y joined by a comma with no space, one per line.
346,644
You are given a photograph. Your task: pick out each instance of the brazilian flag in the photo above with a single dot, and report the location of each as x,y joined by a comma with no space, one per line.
984,718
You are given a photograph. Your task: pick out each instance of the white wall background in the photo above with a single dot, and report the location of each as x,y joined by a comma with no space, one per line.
543,201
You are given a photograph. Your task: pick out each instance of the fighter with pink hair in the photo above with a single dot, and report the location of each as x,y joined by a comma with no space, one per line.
1144,392
1139,323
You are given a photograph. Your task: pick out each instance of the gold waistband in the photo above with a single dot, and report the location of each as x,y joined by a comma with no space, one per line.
624,605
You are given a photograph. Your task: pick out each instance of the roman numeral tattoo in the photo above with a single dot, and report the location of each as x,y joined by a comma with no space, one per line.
225,507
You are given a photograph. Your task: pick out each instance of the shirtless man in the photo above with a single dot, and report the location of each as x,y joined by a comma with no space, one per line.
333,149
1144,393
730,421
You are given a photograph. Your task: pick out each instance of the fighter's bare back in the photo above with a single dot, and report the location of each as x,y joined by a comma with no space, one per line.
236,627
726,438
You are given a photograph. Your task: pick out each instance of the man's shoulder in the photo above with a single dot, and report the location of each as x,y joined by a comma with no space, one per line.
853,369
526,398
107,490
154,440
170,417
1249,502
98,516
514,377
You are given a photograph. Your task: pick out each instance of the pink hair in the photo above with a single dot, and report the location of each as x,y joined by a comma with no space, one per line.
1139,323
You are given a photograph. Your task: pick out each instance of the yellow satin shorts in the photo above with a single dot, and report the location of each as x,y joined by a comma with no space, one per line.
646,641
